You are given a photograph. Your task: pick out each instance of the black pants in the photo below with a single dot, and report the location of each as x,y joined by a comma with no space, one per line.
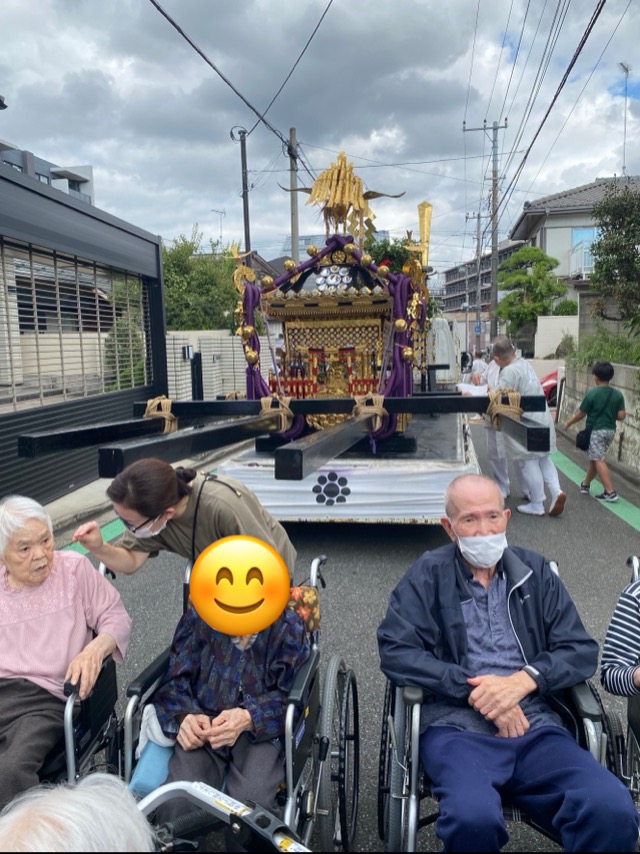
31,722
253,774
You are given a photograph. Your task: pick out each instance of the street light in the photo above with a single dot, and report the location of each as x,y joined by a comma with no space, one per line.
3,106
221,214
626,69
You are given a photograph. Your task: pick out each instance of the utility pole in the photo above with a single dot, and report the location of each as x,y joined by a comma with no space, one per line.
494,221
242,139
478,345
293,185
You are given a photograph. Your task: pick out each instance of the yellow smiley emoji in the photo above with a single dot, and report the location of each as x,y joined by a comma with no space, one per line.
239,585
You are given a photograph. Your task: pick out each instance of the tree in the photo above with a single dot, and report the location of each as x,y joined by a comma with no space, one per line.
198,288
533,290
393,253
565,308
616,253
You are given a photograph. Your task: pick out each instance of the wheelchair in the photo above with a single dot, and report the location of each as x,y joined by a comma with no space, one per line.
321,740
630,747
403,786
91,730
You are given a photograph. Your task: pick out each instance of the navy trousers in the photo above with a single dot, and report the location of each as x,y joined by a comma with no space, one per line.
545,772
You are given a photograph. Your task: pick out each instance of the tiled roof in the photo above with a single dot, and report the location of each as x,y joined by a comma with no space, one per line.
584,197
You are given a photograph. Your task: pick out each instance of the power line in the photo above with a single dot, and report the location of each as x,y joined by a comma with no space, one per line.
574,59
201,53
295,64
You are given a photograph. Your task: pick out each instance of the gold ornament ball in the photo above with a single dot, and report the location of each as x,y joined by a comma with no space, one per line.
383,270
366,260
400,324
350,248
407,354
289,265
312,250
251,356
267,281
247,332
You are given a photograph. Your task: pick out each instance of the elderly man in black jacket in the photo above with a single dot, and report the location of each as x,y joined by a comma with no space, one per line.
489,632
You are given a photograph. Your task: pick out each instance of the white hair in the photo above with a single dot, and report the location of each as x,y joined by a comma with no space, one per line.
98,813
15,510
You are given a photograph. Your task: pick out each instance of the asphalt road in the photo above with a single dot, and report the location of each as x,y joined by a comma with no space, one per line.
589,541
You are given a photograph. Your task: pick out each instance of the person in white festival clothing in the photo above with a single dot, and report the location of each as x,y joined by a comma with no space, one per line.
536,467
495,445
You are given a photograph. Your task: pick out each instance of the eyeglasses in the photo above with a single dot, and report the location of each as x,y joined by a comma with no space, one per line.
134,528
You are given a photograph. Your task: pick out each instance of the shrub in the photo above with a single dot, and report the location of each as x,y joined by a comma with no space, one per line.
605,346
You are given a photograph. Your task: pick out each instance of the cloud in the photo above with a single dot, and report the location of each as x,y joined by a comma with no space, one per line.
115,85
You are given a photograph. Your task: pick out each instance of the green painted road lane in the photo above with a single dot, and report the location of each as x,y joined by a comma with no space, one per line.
622,508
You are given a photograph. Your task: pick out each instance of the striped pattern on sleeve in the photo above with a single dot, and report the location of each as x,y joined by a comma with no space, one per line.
621,649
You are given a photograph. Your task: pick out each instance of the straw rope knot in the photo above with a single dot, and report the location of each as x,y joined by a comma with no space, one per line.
496,407
280,404
161,406
371,404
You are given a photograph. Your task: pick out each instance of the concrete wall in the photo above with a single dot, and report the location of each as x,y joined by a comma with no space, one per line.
624,453
550,332
223,363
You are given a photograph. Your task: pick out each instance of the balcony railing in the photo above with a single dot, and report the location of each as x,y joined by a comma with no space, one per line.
580,260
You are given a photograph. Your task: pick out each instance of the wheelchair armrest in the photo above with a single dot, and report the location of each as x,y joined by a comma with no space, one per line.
586,704
303,680
143,682
412,694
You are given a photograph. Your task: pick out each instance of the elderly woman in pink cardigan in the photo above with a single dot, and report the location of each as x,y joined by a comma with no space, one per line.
59,619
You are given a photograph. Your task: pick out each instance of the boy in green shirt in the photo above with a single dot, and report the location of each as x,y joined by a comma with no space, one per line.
603,406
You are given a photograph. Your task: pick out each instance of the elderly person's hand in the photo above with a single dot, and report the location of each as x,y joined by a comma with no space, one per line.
228,726
493,695
85,667
193,731
89,536
512,723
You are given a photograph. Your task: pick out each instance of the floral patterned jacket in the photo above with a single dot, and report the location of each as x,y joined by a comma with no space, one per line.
207,673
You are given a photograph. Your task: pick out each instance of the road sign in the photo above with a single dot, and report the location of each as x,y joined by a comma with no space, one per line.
477,329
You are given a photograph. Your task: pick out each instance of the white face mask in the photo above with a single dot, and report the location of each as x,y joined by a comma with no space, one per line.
485,551
145,531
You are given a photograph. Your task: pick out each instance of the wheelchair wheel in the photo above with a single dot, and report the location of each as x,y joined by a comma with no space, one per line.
633,766
384,763
348,759
338,791
614,731
398,777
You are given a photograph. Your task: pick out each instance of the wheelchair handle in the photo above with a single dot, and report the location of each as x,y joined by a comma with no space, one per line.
70,688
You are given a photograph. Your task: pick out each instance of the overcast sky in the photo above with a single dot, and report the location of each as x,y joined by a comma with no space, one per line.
113,84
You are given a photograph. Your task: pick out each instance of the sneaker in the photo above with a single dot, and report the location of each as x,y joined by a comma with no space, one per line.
585,488
607,496
530,510
557,504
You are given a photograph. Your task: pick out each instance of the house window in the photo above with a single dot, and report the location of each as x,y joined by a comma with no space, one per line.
583,235
44,179
13,165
